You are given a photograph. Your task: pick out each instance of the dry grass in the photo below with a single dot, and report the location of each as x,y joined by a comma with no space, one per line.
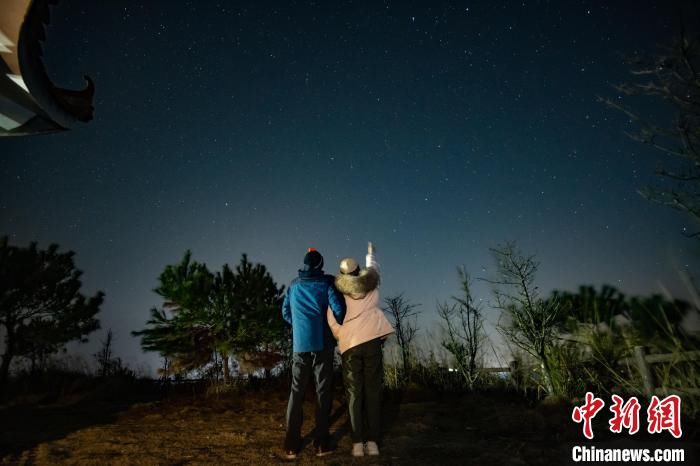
248,427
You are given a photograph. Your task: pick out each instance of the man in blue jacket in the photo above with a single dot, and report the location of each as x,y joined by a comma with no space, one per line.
305,306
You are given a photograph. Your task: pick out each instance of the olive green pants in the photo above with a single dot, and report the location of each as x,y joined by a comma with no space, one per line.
363,373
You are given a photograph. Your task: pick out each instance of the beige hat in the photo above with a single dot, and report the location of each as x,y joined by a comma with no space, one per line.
349,265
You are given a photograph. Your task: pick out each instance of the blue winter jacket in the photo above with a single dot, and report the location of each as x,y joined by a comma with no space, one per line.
305,306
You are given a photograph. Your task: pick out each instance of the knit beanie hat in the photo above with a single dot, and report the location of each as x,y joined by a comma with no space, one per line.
313,260
349,266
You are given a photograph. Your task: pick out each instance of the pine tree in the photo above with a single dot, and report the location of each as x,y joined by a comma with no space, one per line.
41,307
206,317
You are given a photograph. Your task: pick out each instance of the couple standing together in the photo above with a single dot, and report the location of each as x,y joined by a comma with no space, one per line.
322,309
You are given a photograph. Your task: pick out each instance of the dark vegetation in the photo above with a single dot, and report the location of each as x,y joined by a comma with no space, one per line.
208,317
439,406
41,307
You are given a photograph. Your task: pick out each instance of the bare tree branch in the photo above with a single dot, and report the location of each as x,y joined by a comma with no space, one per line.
531,320
404,316
672,77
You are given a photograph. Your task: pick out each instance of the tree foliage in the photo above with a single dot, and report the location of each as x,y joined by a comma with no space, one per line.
206,317
651,321
41,307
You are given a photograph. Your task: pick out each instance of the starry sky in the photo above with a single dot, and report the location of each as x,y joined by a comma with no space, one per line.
434,129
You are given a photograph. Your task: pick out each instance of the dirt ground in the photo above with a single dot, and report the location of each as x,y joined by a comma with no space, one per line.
247,427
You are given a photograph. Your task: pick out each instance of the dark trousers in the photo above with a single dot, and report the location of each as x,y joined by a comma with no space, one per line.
319,365
363,372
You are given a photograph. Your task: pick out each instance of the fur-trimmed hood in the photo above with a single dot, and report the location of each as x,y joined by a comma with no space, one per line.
358,286
364,320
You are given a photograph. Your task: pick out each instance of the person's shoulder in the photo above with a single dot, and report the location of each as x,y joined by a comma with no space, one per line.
294,282
330,279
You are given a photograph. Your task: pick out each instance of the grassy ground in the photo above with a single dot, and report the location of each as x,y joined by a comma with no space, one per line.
247,427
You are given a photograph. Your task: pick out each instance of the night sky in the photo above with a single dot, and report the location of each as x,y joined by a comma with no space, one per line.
435,130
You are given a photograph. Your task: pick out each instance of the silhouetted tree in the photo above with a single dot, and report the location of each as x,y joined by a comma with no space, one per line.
464,329
107,363
37,341
652,318
599,328
104,356
531,320
225,324
256,306
220,314
403,315
41,307
657,320
590,306
246,303
186,336
672,76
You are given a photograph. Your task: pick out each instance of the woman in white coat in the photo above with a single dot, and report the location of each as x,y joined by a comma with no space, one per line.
360,340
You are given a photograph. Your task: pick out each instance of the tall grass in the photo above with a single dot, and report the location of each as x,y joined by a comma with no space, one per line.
600,357
597,357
